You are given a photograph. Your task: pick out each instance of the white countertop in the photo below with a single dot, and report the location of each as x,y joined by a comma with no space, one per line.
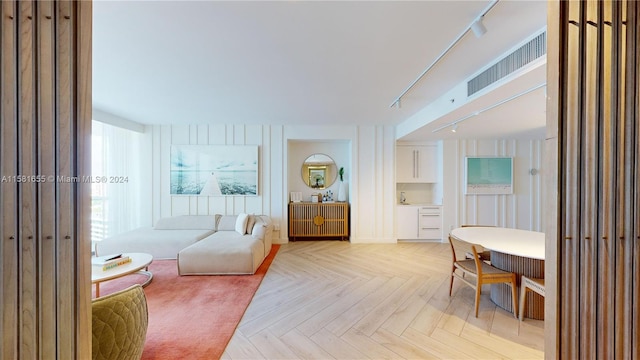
517,242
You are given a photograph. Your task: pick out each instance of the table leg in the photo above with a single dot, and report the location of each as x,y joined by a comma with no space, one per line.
97,289
149,274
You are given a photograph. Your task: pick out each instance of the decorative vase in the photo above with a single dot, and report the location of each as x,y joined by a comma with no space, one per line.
342,191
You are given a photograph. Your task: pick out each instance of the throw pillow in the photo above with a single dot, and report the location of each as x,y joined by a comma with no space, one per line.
250,223
241,223
259,231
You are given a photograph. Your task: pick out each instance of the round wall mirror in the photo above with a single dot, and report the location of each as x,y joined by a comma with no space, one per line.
319,171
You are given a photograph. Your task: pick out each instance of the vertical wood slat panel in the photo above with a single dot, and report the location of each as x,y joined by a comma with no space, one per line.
569,267
624,250
28,271
591,24
64,168
617,122
635,225
83,36
627,217
635,190
556,61
8,187
45,185
608,99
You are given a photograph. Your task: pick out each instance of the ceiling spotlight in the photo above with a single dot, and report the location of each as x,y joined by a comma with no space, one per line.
478,28
454,128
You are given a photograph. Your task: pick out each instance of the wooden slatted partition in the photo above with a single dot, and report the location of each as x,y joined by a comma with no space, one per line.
598,139
45,105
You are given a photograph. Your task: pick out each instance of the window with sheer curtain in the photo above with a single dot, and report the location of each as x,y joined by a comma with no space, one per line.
116,171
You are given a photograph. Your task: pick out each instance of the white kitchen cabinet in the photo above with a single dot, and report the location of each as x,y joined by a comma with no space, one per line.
430,223
419,222
407,226
416,163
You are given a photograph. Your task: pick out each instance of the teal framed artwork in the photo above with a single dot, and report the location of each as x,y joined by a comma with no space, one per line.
489,175
214,170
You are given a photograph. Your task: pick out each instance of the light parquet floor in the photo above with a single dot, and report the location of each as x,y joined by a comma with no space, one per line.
337,300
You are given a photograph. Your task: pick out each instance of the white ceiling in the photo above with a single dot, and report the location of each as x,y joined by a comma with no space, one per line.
309,62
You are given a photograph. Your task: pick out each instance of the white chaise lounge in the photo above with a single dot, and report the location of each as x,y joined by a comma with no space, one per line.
237,247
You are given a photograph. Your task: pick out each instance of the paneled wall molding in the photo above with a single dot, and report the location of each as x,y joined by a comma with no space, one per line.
594,84
366,152
165,204
522,210
45,134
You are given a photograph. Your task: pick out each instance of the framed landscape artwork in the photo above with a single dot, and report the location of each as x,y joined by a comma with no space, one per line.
214,170
489,175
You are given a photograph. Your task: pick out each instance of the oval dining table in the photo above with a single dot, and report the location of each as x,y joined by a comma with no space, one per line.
513,250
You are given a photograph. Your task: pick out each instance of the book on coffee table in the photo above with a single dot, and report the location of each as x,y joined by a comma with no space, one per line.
110,261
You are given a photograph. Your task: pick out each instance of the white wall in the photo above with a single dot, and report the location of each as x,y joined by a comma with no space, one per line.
369,167
522,209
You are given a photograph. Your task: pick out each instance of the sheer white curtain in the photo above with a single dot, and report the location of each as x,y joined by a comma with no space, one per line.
116,174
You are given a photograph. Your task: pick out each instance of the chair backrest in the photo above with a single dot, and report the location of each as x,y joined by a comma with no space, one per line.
119,324
460,248
476,258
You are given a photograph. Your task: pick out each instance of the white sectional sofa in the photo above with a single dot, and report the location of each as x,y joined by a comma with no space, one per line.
203,244
164,240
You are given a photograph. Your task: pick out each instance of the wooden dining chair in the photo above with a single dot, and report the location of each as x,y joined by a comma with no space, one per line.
485,255
475,272
529,284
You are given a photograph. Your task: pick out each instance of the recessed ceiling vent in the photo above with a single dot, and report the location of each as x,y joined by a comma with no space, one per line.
510,63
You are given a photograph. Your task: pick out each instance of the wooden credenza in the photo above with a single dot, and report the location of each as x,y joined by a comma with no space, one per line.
318,220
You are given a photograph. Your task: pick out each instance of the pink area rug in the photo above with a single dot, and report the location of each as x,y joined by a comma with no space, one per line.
192,317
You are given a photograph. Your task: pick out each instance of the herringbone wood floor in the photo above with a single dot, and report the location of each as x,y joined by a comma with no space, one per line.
332,299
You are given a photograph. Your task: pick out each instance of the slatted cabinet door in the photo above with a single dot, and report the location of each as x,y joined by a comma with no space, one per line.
318,220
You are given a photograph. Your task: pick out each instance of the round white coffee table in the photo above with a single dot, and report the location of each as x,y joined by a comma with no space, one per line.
139,261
